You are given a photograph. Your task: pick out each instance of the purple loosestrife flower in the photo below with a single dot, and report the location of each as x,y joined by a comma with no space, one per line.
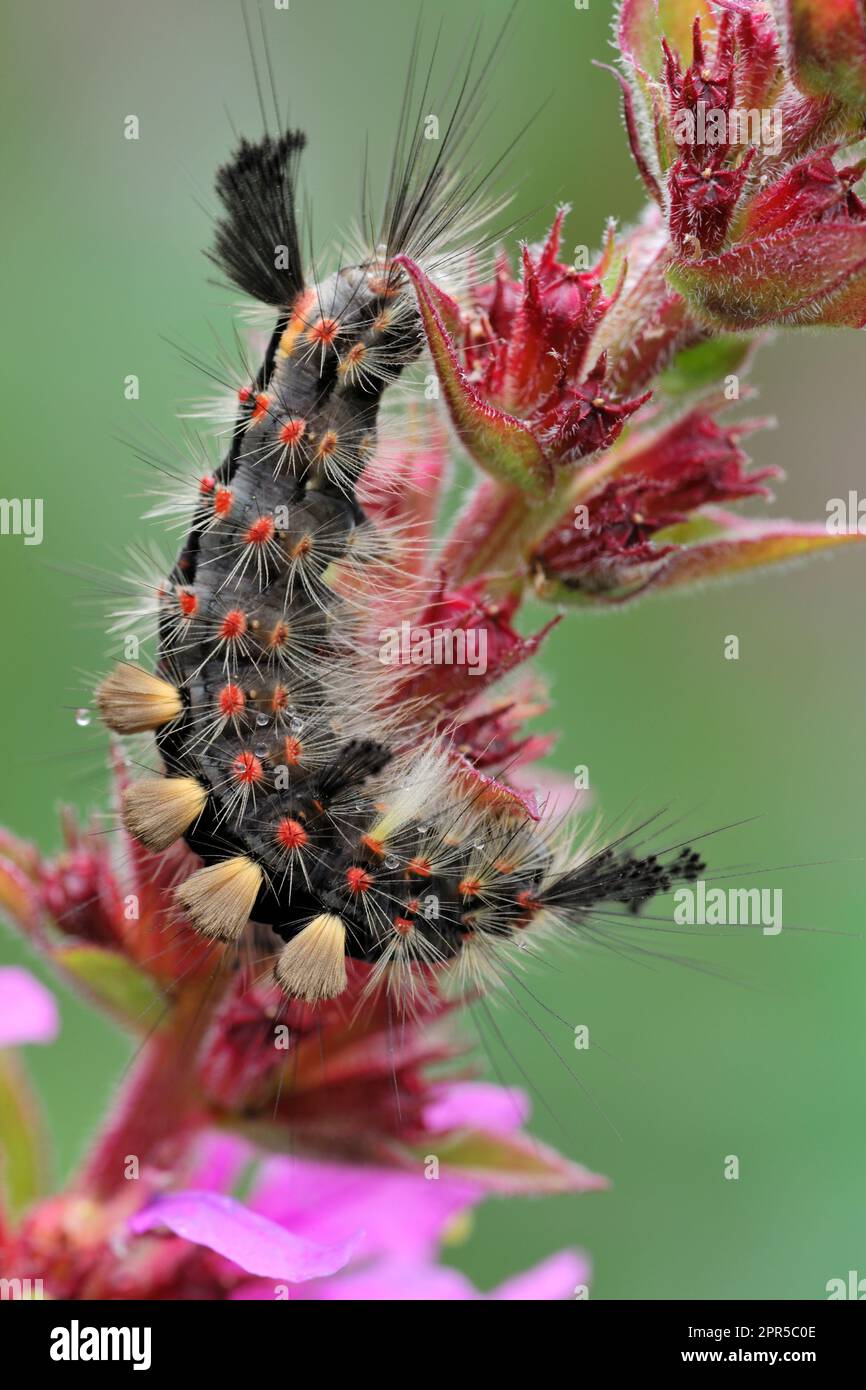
398,1222
224,1049
28,1011
28,1014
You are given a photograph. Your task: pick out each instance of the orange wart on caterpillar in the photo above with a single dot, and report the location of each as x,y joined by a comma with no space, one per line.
357,803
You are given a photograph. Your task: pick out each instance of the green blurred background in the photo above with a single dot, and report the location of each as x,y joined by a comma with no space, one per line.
103,262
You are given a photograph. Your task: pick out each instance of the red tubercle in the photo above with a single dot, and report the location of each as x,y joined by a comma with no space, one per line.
233,625
328,444
358,880
231,700
291,834
293,431
303,548
293,750
373,845
530,904
383,284
279,699
324,331
223,501
247,769
261,407
469,887
187,602
207,484
278,635
244,394
261,531
419,866
403,926
353,358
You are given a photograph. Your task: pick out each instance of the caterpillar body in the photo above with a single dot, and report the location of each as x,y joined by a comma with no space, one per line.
320,806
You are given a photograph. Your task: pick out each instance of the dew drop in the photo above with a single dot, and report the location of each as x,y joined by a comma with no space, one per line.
296,724
477,844
262,720
83,718
261,751
392,862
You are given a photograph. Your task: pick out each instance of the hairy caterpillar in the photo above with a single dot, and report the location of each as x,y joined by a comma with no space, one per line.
320,805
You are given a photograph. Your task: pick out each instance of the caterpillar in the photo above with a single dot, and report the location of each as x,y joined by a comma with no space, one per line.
324,809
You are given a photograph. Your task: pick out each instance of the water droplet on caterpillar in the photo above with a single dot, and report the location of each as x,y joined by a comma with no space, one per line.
83,717
262,720
296,724
392,862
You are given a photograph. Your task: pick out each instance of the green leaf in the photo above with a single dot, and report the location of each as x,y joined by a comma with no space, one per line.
499,443
513,1163
696,369
23,1145
712,544
115,983
827,45
808,275
738,544
642,23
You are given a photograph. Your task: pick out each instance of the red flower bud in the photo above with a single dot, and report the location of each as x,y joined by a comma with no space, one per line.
610,549
578,420
827,44
703,201
812,191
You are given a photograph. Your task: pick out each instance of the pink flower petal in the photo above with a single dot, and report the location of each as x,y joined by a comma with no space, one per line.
477,1105
247,1239
555,1278
554,793
401,1213
28,1011
219,1161
395,1282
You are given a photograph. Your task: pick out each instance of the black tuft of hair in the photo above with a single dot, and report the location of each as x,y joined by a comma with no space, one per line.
616,876
257,244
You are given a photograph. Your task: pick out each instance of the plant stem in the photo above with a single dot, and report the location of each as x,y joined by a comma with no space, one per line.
158,1106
